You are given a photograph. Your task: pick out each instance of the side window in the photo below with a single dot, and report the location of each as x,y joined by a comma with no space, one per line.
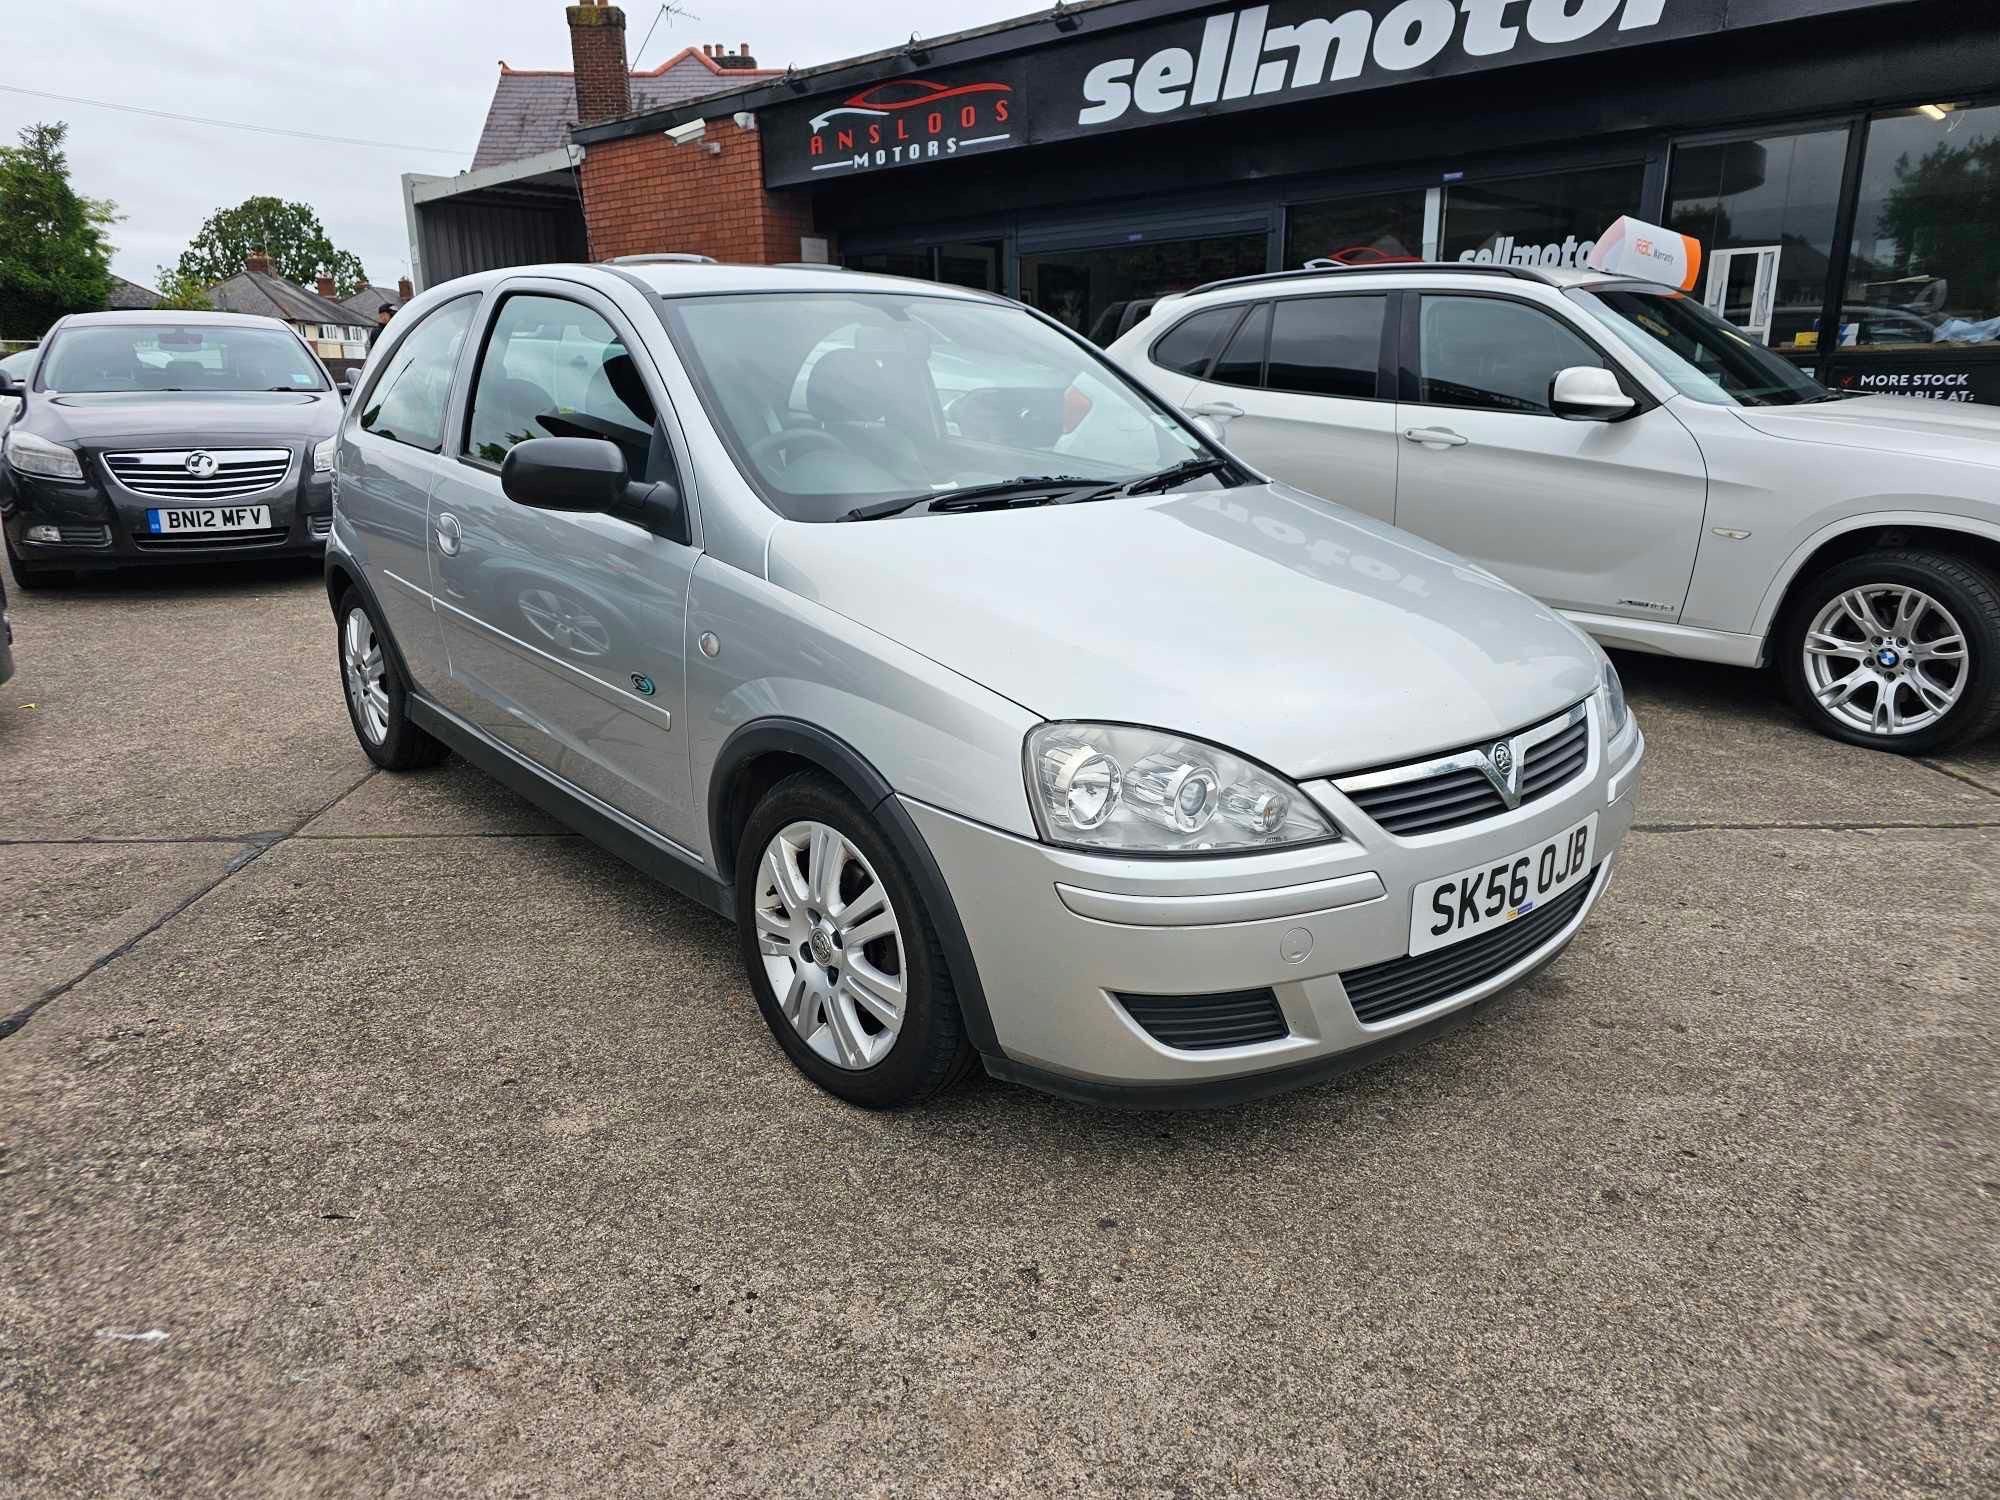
1326,346
1242,363
1187,347
408,399
554,368
1495,354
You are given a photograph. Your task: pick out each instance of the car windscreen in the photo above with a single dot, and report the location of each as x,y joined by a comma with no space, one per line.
1698,353
178,357
830,400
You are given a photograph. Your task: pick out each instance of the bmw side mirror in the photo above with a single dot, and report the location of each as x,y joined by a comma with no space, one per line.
564,473
1584,393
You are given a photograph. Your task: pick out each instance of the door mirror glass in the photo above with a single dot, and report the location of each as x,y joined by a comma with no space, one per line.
1585,393
565,473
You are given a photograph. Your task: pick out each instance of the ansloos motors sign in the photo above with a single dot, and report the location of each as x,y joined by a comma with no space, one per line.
1205,60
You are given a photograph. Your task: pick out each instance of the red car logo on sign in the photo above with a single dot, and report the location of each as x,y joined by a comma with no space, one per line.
908,120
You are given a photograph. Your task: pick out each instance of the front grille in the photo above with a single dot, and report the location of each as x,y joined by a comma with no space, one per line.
203,540
165,475
1383,991
1198,1023
1452,790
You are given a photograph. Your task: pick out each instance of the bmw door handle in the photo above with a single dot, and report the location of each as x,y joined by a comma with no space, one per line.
449,533
1227,410
1434,437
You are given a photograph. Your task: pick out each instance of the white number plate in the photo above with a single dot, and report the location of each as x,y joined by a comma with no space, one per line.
209,518
1473,901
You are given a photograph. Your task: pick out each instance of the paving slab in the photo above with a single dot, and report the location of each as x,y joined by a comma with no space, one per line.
69,905
1724,748
184,703
449,800
453,1166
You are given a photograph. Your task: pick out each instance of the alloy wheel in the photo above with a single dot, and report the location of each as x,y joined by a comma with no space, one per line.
831,944
367,675
1886,659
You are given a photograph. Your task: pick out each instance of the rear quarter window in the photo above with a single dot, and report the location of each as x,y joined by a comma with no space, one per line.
1187,347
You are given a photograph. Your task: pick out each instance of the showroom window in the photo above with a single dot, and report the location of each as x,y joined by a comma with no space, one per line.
1326,346
1372,230
1551,220
1763,209
1924,269
1092,289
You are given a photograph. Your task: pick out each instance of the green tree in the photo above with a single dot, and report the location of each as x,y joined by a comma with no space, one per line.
1940,216
180,292
54,258
290,233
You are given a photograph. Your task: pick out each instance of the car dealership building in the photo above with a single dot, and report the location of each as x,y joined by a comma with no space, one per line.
1838,160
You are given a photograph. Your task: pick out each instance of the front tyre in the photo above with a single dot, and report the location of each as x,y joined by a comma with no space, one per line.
378,700
1897,650
841,951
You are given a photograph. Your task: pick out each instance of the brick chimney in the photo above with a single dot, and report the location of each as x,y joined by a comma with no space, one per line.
740,58
258,263
404,291
324,286
597,50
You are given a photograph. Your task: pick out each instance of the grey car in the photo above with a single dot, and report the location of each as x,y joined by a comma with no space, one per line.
1018,726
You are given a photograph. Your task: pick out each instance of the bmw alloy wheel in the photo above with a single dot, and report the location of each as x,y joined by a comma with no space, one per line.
1886,659
367,680
831,944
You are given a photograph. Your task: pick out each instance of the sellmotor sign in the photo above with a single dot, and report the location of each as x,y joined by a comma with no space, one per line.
1206,60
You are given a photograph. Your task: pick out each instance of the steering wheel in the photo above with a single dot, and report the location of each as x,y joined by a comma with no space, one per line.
785,438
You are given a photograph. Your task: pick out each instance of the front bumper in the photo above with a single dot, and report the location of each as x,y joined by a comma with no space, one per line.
1057,934
101,525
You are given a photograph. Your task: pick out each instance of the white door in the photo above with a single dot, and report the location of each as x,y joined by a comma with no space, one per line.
1601,517
1300,392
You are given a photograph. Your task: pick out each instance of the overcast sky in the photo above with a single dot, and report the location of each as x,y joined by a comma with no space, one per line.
418,73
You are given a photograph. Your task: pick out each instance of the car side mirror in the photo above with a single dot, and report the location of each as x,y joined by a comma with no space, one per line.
9,386
587,475
345,385
564,473
1585,393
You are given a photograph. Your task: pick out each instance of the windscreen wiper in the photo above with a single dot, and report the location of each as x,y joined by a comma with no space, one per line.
973,497
1167,478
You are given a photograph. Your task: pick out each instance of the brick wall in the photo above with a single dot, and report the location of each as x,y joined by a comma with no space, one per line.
643,194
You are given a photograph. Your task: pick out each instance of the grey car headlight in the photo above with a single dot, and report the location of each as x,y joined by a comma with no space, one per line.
1145,791
323,455
34,455
1616,714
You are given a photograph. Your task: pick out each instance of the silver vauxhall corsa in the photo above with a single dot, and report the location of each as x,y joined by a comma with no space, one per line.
1010,718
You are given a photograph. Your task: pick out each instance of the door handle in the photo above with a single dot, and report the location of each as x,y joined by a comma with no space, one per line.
1434,437
448,533
1224,409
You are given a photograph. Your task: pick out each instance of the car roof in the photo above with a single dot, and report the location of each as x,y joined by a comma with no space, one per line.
681,278
157,317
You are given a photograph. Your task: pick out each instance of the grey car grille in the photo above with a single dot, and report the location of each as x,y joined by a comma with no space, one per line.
1199,1023
1383,991
239,473
1449,791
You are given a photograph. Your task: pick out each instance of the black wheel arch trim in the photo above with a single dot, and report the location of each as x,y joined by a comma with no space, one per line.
345,567
850,768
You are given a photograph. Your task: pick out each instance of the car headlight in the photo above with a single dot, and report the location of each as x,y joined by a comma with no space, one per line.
1616,714
34,455
1144,791
323,456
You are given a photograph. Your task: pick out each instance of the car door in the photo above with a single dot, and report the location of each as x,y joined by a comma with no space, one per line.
390,457
1303,390
566,631
1601,517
